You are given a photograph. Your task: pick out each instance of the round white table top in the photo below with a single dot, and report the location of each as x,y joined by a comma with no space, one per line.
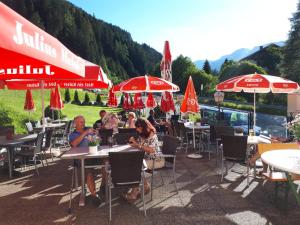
287,160
196,126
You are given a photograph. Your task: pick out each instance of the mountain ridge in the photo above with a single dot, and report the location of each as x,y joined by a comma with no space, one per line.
235,55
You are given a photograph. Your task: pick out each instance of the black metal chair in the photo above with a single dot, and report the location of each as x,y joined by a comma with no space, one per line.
127,130
123,138
233,148
48,143
169,149
105,134
33,151
61,138
126,172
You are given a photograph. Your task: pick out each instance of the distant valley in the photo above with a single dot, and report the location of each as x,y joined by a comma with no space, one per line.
236,55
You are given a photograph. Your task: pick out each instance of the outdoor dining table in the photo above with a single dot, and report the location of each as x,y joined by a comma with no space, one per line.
195,127
11,144
287,160
82,153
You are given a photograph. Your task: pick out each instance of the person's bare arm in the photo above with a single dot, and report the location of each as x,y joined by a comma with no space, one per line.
77,140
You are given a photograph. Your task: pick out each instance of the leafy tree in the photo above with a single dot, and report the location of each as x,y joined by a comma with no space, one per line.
291,56
98,100
87,100
206,67
67,95
76,98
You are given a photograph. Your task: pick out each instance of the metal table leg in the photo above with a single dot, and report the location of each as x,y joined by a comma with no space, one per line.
82,195
10,163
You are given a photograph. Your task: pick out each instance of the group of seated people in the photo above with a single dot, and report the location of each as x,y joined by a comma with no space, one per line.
147,141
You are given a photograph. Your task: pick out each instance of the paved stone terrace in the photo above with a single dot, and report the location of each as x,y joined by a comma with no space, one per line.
202,199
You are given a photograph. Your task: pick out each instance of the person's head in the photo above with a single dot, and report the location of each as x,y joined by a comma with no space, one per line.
144,127
131,116
79,122
151,112
102,113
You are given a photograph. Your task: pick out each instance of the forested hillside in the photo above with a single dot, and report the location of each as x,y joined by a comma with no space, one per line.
95,40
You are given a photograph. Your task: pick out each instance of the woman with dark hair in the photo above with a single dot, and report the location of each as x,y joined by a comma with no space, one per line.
147,142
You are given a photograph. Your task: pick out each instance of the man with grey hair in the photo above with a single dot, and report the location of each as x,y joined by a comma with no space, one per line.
79,138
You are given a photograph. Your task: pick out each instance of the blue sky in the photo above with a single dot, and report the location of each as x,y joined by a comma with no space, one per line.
198,29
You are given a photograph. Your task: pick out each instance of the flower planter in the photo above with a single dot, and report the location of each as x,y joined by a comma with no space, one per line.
93,149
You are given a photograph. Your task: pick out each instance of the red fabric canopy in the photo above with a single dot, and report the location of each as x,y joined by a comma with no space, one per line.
166,63
28,52
145,84
52,99
190,101
29,103
167,102
127,104
151,103
138,102
112,99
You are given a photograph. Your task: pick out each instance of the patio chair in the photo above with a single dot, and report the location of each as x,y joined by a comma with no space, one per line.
5,129
61,138
33,151
48,143
217,133
169,149
279,178
127,130
175,127
29,128
105,134
233,148
126,172
123,138
185,135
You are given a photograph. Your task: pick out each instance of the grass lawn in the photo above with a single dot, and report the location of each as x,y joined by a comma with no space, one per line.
12,101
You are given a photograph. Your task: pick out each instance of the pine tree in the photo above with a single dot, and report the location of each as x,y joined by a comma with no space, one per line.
98,100
67,95
206,67
76,98
291,56
87,100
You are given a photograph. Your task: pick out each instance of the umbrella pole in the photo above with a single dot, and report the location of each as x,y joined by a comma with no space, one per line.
254,113
43,106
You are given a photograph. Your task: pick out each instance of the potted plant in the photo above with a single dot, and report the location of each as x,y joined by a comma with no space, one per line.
93,142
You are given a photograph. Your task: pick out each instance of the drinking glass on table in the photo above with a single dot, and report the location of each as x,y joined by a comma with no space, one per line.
110,141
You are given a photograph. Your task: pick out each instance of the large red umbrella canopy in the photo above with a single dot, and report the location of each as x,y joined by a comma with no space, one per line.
258,83
151,103
145,84
167,102
58,103
190,101
138,101
29,103
166,63
127,104
52,99
112,99
28,52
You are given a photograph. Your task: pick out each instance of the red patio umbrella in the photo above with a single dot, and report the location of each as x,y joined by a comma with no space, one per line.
138,102
112,99
145,84
35,53
167,102
52,99
29,103
127,104
258,83
151,103
190,100
59,104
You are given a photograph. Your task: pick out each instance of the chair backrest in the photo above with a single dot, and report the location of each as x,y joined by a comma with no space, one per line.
127,130
29,126
263,147
169,147
175,127
68,127
5,129
104,134
234,147
126,167
39,142
224,130
123,138
182,129
48,141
